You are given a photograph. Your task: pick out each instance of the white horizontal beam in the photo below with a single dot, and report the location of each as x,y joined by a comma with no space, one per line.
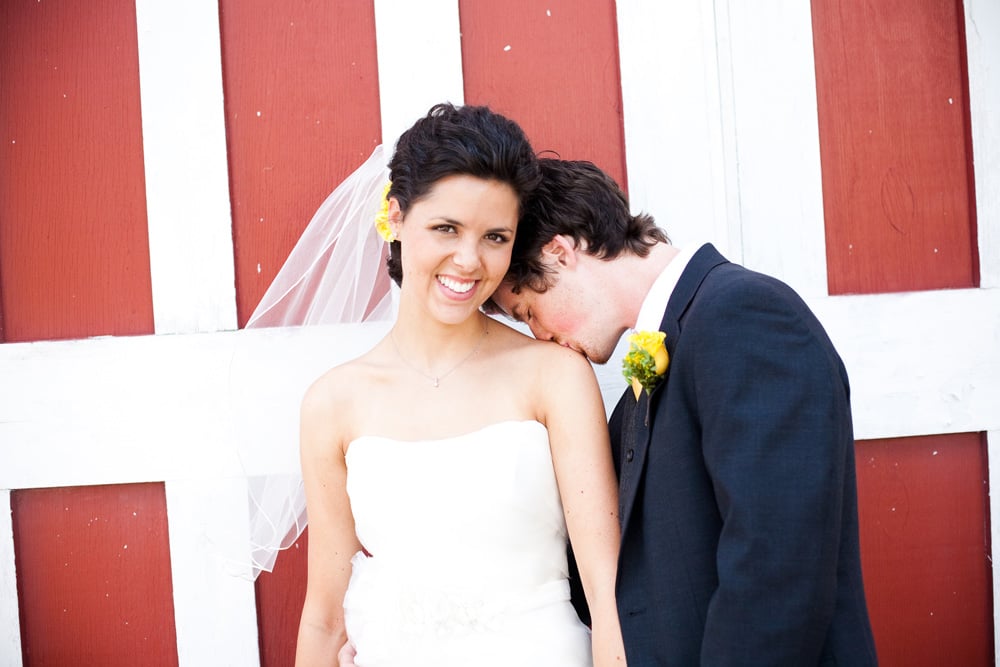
919,362
150,408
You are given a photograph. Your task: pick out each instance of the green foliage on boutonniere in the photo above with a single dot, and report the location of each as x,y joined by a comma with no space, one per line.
646,361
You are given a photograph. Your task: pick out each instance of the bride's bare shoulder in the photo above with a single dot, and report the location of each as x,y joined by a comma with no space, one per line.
544,356
337,391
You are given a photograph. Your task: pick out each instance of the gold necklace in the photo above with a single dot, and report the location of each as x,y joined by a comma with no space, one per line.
436,379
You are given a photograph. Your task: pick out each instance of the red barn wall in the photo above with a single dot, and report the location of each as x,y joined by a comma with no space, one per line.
559,79
898,191
302,112
74,250
93,568
924,519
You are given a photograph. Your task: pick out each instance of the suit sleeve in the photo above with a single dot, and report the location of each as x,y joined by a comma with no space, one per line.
775,417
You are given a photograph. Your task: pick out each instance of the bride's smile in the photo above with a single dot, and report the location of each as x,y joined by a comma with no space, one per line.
457,286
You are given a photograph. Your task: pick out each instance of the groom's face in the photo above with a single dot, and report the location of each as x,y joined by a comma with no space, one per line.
564,314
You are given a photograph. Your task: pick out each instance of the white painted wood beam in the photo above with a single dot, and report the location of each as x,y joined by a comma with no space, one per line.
419,61
982,32
678,121
982,35
920,363
10,624
187,173
198,406
777,154
993,461
214,600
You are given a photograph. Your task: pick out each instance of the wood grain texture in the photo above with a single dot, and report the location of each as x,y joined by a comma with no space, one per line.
925,549
74,254
898,184
302,112
93,576
553,68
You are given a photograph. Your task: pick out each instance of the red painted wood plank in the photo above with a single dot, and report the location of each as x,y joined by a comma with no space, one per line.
93,576
553,68
302,112
924,509
895,145
74,250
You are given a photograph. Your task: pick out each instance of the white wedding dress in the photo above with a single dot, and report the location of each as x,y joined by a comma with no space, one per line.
467,545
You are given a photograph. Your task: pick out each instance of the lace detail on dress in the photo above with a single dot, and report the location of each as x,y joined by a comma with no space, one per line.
423,610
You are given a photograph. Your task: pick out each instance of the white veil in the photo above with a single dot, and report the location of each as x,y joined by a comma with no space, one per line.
334,274
336,271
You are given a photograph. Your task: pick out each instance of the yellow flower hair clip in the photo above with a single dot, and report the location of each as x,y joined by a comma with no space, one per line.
382,219
646,361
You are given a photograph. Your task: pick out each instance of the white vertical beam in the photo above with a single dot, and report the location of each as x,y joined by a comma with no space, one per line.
214,605
10,625
187,178
780,181
419,61
677,108
982,34
982,30
193,281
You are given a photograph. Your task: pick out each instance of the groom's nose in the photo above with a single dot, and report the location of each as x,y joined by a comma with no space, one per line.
539,332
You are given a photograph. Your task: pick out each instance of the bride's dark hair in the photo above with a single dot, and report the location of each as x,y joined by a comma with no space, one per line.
463,140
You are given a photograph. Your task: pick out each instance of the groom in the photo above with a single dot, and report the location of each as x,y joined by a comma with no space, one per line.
737,478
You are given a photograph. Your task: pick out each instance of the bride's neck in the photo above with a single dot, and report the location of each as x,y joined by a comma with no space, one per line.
430,340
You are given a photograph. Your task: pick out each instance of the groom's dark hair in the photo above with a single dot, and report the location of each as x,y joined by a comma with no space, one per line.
578,200
463,140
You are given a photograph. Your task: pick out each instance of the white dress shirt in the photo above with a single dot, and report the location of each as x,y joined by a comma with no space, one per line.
655,303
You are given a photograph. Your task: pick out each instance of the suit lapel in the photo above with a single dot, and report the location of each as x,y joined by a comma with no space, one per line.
639,425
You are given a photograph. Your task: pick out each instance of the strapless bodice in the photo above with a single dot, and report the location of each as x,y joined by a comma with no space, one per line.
467,544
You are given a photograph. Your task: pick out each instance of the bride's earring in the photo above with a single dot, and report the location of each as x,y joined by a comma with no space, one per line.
395,218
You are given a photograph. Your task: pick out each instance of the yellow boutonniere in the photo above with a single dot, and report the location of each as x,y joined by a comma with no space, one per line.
646,361
382,219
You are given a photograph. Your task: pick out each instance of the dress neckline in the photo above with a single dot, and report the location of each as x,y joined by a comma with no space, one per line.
443,439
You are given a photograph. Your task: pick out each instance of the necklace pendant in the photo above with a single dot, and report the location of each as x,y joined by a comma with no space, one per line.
435,380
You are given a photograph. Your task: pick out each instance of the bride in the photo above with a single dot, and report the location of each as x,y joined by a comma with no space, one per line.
445,468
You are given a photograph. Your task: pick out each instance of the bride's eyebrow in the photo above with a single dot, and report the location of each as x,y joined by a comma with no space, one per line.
439,219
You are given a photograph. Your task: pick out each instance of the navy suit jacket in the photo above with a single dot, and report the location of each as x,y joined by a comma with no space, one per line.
737,486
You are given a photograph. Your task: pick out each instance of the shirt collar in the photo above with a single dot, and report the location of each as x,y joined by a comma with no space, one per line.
655,303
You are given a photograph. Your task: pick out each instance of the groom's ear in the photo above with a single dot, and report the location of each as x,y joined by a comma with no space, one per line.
561,250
